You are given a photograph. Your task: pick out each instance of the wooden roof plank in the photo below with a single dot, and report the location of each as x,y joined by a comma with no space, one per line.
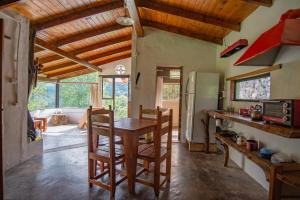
267,3
115,4
90,58
189,15
181,31
82,67
7,3
65,54
92,47
135,15
88,34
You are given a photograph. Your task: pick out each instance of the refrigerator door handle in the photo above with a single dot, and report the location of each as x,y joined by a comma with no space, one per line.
186,91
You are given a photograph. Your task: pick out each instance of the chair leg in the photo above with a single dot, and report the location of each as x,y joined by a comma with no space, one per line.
168,168
101,165
112,179
91,166
156,178
146,166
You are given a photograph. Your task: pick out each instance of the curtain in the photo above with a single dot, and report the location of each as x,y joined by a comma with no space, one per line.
159,91
32,81
95,96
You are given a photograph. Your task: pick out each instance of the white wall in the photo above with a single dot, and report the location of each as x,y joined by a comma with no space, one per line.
285,83
109,69
160,48
16,148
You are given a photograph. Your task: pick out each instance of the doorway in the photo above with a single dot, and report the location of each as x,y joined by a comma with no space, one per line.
169,94
115,93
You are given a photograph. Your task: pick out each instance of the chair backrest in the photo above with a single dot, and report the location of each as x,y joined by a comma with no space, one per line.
101,122
164,119
146,113
164,127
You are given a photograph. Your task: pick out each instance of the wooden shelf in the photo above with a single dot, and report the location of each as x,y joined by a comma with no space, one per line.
270,128
265,164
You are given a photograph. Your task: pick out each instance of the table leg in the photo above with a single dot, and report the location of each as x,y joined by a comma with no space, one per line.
226,154
131,148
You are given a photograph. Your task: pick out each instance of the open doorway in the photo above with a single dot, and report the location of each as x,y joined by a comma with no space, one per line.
58,110
169,93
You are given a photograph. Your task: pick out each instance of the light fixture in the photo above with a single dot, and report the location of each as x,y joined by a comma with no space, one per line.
124,20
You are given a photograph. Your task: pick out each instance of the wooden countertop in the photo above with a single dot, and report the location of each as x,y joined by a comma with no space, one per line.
270,128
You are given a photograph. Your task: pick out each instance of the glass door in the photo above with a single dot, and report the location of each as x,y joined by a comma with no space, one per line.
115,93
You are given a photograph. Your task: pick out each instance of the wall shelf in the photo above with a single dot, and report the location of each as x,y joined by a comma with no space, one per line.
269,128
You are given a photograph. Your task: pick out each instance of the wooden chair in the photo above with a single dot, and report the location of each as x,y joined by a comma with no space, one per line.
156,153
103,153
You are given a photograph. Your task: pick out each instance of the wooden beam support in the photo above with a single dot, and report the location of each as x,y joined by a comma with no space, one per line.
258,72
88,34
45,45
77,73
7,3
135,15
181,31
90,58
78,68
189,15
92,47
267,3
115,4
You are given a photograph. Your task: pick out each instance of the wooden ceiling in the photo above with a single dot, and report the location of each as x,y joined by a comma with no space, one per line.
76,37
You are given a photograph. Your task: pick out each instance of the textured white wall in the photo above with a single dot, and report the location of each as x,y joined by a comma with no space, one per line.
160,48
16,148
285,83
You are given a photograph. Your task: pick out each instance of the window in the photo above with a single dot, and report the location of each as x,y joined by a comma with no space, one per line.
76,95
120,69
42,97
252,89
171,91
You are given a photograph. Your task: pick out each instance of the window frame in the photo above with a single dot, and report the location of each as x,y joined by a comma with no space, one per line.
247,79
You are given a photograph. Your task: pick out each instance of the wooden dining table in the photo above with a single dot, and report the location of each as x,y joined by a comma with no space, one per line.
130,129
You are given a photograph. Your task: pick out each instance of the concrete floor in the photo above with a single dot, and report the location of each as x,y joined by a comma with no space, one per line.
62,175
60,137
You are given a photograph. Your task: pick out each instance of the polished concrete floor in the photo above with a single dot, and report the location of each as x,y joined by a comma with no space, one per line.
62,174
59,137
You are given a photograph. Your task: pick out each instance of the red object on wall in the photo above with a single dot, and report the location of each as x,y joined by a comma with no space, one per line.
242,43
264,51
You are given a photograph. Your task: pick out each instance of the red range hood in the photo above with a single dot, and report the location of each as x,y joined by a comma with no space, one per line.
278,45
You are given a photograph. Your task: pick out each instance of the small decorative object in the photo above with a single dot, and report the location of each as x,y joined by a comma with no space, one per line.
244,112
280,158
120,69
256,113
266,153
251,145
241,140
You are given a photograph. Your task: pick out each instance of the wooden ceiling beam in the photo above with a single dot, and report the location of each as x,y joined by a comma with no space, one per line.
53,48
189,15
78,68
90,58
128,55
7,3
180,31
267,3
89,34
92,47
135,15
77,73
115,4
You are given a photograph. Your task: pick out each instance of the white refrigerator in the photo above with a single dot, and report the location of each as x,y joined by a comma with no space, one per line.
201,93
